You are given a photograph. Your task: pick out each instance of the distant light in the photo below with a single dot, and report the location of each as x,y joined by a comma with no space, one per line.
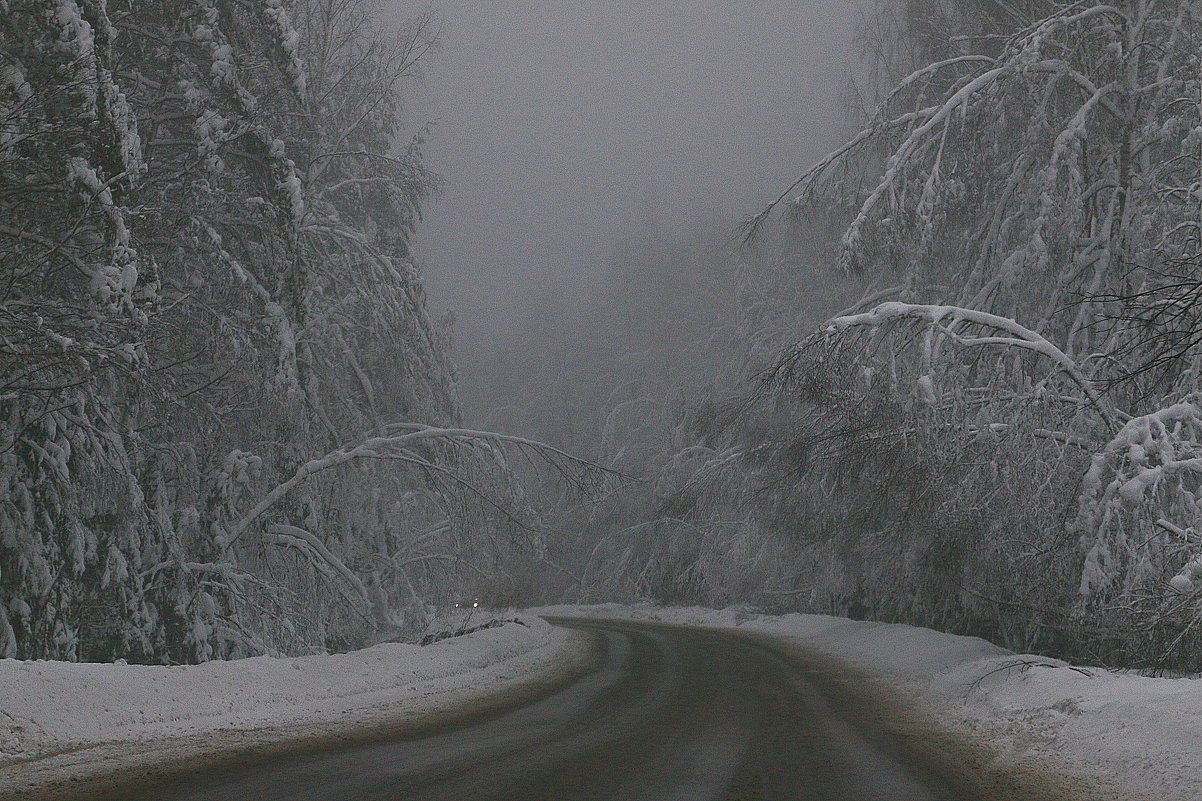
475,605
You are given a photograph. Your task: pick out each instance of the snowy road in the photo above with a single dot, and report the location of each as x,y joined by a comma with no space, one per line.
663,713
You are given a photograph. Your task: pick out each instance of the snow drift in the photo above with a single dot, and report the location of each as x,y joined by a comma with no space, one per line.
60,719
1130,736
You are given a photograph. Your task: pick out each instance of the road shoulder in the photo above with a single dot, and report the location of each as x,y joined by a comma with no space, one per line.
83,731
1086,733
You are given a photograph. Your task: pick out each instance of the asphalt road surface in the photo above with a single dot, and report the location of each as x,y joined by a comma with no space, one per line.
662,714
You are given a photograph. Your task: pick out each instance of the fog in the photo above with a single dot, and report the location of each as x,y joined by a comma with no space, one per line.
952,381
566,130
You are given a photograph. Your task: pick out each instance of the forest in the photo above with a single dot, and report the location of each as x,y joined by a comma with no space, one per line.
950,377
230,423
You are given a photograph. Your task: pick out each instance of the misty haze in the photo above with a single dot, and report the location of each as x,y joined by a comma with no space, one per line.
542,400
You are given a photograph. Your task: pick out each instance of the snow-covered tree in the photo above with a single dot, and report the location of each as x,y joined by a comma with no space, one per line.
1024,196
229,423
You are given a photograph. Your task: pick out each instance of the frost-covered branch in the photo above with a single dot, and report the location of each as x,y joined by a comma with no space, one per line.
1155,460
389,446
946,318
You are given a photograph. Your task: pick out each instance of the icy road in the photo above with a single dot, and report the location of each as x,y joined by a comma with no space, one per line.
663,713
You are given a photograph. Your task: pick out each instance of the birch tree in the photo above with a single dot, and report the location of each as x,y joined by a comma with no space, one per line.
1025,195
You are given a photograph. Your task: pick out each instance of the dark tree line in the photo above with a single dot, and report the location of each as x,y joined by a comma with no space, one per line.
228,424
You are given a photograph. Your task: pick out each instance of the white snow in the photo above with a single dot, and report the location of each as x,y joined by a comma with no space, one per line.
1130,736
1135,737
60,719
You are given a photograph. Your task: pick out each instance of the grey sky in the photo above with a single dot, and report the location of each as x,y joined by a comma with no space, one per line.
562,125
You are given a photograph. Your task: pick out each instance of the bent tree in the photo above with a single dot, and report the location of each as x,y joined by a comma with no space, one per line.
205,209
1028,196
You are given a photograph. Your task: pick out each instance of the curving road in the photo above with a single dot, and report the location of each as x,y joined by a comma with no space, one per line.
663,714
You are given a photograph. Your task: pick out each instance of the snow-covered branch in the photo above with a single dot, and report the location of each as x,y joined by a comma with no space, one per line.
946,319
393,446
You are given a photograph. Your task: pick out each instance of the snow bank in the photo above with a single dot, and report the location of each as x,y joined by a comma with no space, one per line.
60,718
1139,737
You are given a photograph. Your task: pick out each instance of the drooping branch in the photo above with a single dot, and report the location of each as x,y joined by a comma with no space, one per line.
316,550
946,318
395,446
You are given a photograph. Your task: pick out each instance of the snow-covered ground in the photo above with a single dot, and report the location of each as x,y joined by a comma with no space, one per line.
60,719
1129,736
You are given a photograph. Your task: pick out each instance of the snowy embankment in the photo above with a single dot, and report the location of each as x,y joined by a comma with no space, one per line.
1129,736
67,720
